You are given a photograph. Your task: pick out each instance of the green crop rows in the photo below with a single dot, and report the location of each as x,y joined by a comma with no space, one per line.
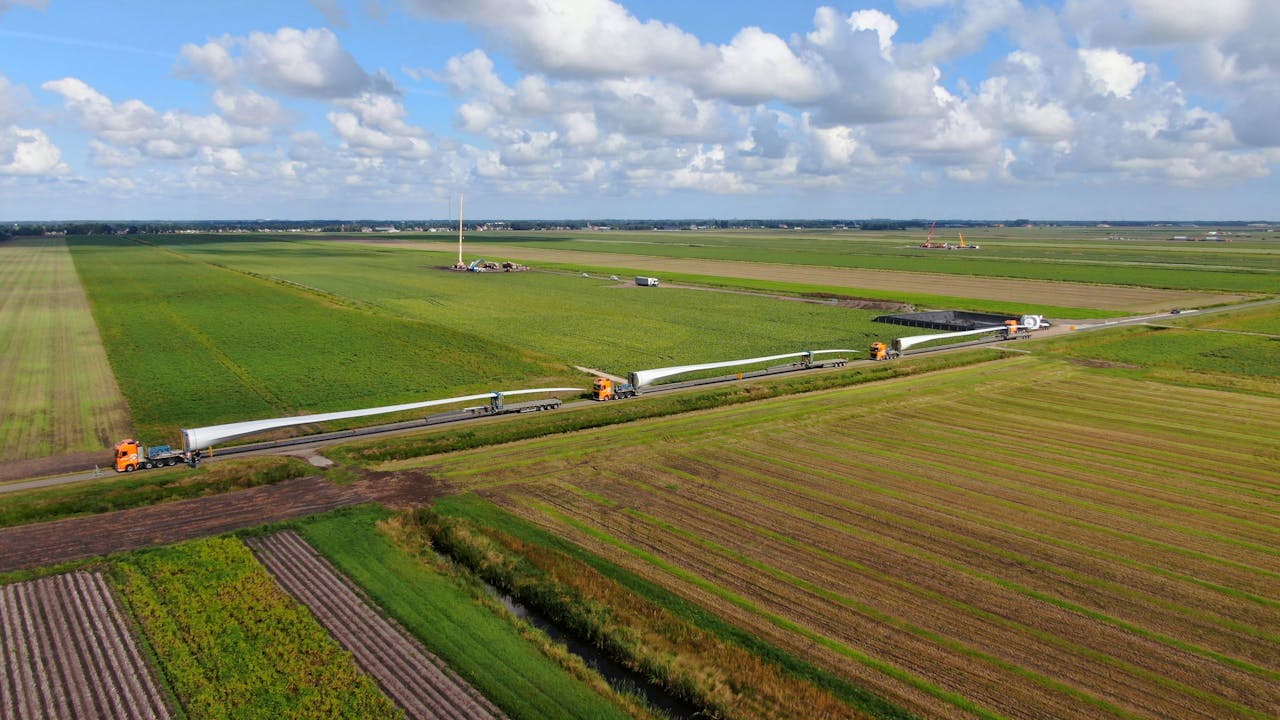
231,643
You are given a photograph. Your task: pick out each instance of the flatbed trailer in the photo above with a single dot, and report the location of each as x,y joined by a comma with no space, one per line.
497,407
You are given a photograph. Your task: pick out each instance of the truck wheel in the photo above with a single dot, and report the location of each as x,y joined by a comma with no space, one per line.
147,465
171,462
129,468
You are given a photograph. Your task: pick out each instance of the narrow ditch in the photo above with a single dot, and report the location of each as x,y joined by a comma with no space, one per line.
620,677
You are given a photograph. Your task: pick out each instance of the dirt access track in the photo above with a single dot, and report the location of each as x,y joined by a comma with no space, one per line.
1041,292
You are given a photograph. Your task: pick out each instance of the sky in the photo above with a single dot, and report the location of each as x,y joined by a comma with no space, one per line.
543,109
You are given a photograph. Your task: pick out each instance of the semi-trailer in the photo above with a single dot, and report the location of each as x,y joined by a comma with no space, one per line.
497,407
132,455
606,389
1010,330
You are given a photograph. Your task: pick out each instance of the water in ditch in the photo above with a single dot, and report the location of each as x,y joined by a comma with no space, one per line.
622,679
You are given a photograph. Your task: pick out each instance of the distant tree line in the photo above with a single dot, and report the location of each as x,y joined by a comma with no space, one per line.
339,226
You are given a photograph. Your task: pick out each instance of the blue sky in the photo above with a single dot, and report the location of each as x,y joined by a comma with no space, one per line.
1080,109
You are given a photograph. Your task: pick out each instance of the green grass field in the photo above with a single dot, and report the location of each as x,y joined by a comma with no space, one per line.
193,343
1143,257
207,329
590,322
1264,320
231,643
477,642
1233,350
991,541
57,392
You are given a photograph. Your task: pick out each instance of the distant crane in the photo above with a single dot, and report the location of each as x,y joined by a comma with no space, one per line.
928,243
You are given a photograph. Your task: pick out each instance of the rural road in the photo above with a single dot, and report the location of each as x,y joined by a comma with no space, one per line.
308,445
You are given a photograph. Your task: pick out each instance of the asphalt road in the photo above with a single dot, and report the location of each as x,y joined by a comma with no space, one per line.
306,445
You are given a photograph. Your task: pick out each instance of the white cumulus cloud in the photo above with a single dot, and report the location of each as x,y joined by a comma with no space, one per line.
1111,72
576,38
757,66
26,151
136,126
304,63
373,125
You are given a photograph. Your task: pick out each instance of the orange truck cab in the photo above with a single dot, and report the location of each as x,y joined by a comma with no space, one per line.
127,452
132,455
882,351
606,389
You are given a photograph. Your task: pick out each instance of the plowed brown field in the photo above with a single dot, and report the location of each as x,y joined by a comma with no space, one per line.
29,546
1024,540
68,653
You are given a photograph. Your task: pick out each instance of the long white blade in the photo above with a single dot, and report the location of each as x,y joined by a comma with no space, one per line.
644,377
205,437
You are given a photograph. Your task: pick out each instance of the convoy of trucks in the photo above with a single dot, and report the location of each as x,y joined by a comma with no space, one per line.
1011,330
130,455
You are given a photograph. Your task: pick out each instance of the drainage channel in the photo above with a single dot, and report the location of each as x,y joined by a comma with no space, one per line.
621,678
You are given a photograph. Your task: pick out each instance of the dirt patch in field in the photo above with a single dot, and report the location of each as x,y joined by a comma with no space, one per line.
55,465
402,489
29,546
1041,292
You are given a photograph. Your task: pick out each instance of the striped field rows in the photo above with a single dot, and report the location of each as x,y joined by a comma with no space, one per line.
57,391
1023,540
67,653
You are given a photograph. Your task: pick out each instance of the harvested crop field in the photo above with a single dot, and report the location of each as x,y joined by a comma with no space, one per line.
409,674
1025,539
57,392
69,653
1038,292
